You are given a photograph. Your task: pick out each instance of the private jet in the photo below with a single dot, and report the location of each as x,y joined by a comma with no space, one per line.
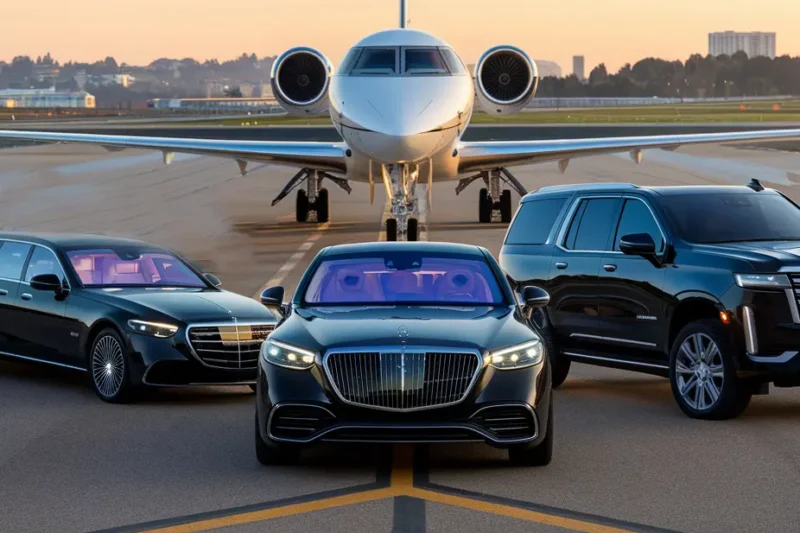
401,100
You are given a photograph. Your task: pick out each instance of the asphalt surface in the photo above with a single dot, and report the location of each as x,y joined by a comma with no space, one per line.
625,457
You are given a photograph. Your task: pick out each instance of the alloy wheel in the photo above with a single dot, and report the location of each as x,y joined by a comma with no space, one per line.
108,366
700,372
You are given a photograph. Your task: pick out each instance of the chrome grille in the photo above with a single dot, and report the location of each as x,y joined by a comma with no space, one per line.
402,381
232,346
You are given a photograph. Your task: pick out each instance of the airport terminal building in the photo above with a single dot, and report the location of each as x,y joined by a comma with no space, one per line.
45,99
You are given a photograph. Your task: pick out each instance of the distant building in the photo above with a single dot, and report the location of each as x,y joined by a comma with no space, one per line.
45,98
216,104
579,67
548,68
43,72
754,44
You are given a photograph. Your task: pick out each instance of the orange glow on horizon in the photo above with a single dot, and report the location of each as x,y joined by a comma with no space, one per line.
613,32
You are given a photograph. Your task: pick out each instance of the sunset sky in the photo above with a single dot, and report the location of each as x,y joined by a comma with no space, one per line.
610,31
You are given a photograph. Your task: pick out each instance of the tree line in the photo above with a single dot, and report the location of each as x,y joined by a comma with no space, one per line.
697,77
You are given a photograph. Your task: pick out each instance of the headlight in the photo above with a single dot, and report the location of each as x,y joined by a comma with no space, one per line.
762,281
154,329
287,356
520,356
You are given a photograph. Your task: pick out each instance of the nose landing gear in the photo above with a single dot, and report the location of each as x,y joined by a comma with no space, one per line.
401,186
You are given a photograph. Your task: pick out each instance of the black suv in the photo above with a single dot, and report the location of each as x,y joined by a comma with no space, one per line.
698,284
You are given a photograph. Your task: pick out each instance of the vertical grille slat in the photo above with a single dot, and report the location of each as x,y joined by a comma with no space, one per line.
400,381
230,346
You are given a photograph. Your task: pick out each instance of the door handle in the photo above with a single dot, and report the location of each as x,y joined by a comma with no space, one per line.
609,268
26,296
561,266
3,292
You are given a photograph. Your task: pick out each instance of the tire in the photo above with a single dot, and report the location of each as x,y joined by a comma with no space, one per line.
391,229
413,230
322,205
539,455
484,207
506,211
273,453
301,206
694,360
109,368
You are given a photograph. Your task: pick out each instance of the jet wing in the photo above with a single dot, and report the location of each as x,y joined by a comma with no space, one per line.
477,156
329,157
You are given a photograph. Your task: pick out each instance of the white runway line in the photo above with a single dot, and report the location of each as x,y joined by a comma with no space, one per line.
293,260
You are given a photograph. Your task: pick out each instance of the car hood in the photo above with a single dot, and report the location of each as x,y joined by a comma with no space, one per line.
764,256
481,328
186,305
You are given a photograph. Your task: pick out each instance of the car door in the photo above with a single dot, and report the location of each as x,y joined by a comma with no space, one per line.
631,303
13,256
45,330
579,250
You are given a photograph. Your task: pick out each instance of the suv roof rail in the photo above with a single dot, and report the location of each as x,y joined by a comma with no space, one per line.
755,185
581,186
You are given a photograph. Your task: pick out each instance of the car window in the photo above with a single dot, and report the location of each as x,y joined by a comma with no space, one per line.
43,262
534,221
126,267
591,225
637,218
12,259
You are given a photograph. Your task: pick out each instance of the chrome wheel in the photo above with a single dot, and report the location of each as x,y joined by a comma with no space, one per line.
108,366
700,372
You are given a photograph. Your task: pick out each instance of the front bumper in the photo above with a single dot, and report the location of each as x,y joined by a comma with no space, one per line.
171,363
503,408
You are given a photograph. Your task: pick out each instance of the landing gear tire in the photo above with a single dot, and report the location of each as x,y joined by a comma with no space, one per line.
702,372
391,229
301,206
273,453
505,207
413,230
539,455
484,207
322,206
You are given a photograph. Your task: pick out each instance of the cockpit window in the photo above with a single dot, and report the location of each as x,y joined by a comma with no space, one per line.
424,61
454,63
375,61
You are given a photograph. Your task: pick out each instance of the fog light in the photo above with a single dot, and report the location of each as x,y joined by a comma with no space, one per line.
725,317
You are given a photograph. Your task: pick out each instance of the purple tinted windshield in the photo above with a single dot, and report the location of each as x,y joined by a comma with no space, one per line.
105,268
398,279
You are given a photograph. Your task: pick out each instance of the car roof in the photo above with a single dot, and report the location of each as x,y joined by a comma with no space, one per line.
73,240
569,189
411,247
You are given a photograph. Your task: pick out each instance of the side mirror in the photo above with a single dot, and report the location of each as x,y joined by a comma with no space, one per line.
47,282
214,280
535,297
272,297
637,244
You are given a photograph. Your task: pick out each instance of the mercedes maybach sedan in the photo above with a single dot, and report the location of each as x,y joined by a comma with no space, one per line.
126,312
404,342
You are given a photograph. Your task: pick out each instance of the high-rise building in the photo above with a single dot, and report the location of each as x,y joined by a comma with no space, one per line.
579,67
754,44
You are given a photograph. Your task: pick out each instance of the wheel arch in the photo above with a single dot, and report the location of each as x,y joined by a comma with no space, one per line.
94,331
691,306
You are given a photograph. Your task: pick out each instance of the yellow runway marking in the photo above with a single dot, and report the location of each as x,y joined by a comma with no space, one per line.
402,484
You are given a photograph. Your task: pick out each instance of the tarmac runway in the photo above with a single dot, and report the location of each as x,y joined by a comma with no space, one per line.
626,458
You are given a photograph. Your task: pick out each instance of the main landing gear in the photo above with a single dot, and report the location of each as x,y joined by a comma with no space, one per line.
314,199
494,201
401,186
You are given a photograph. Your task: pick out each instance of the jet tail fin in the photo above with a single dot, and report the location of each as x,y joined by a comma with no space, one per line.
403,13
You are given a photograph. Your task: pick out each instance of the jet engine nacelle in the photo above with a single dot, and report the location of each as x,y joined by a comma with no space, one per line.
300,81
505,80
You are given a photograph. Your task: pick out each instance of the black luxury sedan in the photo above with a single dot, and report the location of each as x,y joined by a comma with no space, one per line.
127,312
404,342
698,284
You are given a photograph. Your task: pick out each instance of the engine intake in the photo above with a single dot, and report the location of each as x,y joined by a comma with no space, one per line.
506,80
300,81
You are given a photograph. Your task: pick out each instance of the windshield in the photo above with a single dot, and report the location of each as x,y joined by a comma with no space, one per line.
403,278
375,61
120,268
734,217
424,61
